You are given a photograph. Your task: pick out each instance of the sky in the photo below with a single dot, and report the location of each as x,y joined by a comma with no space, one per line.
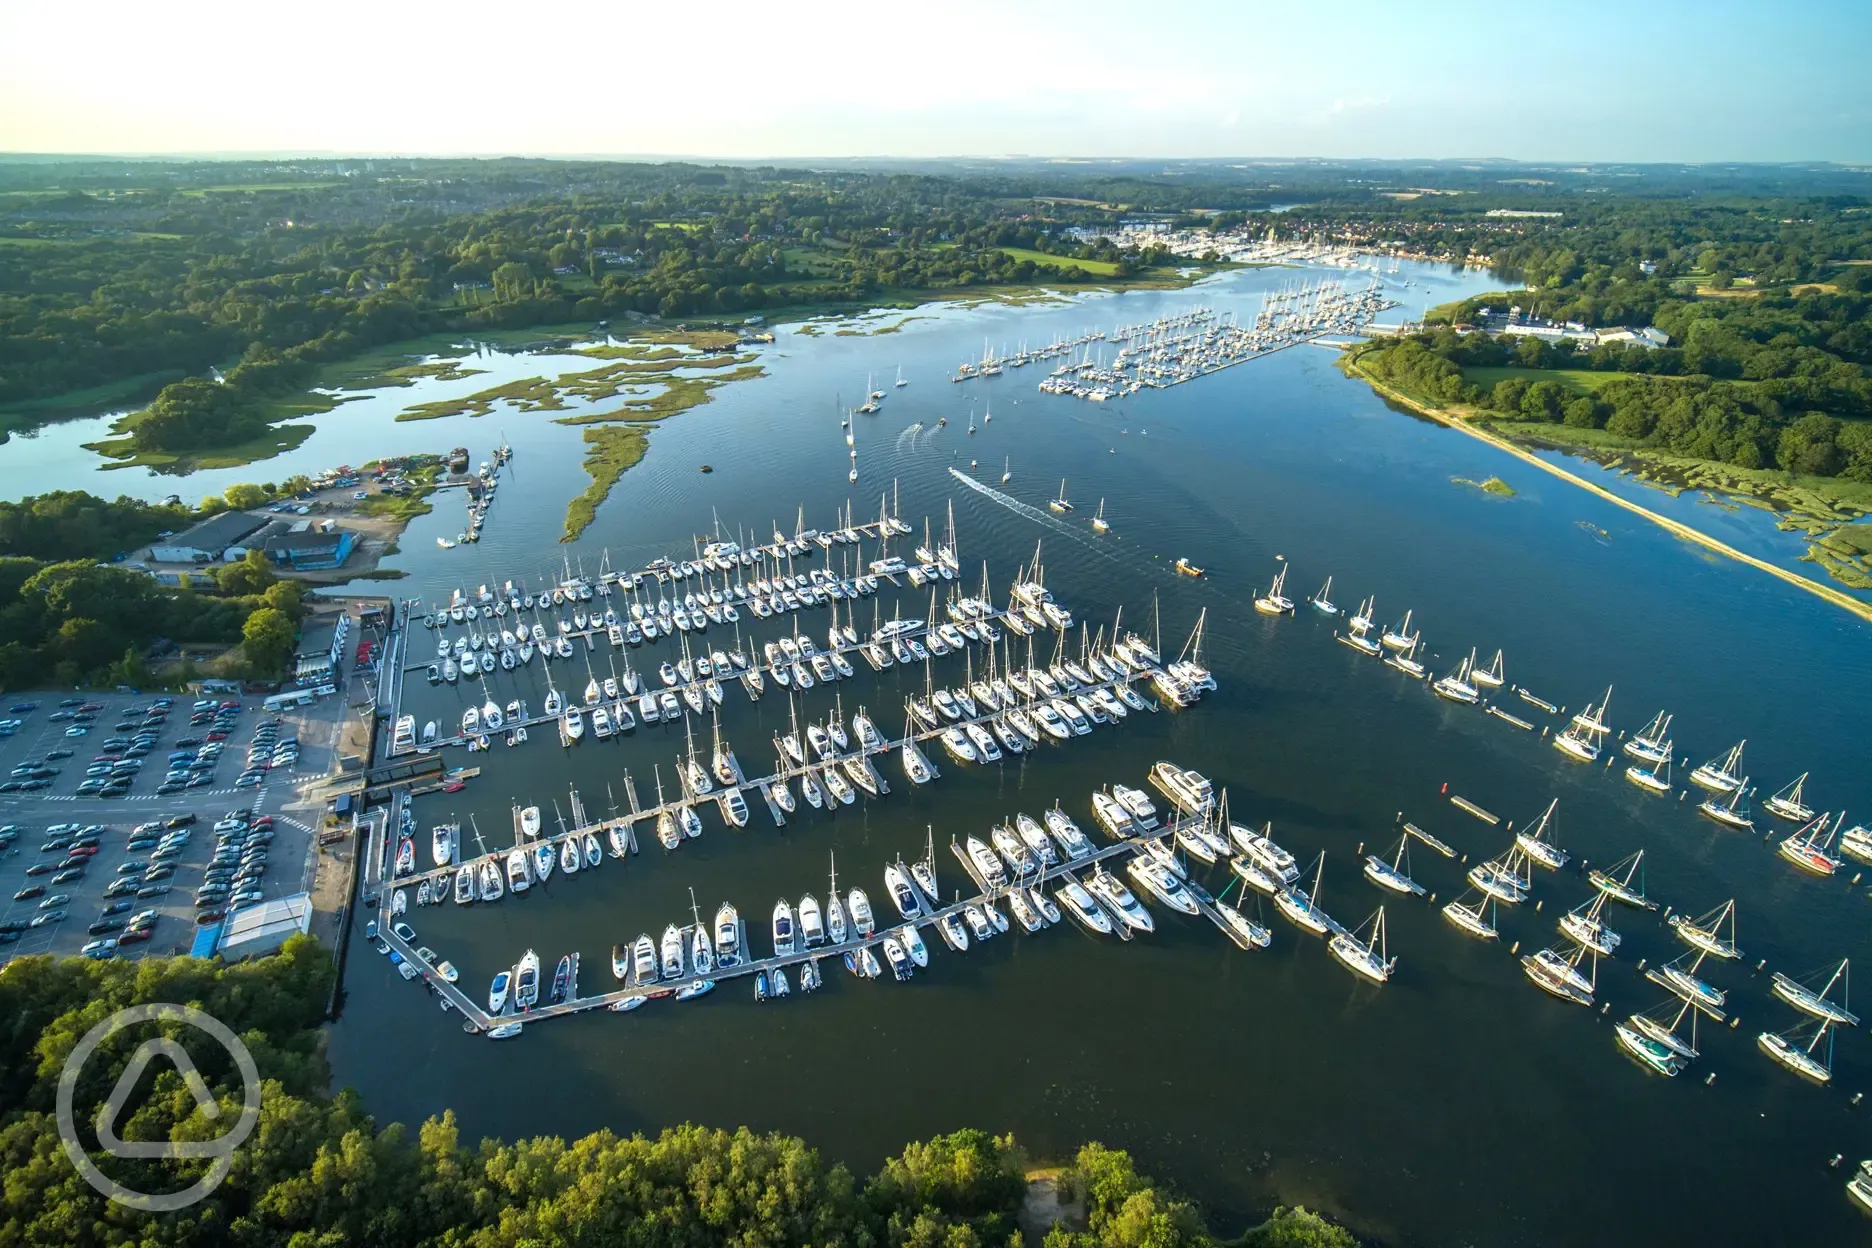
1662,80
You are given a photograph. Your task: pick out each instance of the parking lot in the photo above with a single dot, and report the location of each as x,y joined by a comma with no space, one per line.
71,840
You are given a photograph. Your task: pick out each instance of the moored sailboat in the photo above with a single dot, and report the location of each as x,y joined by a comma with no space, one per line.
1802,995
1365,956
1805,1059
1811,848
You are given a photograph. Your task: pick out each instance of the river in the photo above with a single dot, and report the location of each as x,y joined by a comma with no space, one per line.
1457,1104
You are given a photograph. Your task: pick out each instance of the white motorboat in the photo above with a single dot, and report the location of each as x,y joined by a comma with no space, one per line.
1109,889
1082,906
783,930
1188,788
727,936
443,840
1161,882
530,822
1261,849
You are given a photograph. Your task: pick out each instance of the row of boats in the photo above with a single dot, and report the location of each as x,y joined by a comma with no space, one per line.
1819,846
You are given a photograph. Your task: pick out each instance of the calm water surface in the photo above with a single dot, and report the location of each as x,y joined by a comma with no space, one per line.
1457,1104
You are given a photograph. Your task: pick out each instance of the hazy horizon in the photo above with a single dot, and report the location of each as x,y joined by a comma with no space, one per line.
1676,83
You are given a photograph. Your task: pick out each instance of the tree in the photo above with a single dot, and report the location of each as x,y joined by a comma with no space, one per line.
287,597
250,575
1811,445
1297,1228
1544,401
268,637
245,496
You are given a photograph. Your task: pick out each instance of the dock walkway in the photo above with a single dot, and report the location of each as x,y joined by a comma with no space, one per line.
478,1017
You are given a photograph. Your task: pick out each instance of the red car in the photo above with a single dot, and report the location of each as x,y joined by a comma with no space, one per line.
80,851
204,917
217,735
133,935
264,821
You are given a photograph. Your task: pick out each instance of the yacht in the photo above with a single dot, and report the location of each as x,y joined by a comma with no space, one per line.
1260,848
644,960
727,936
1137,804
782,928
1162,883
526,981
811,921
671,947
987,863
912,942
1083,907
443,840
1188,788
518,877
859,906
497,992
1275,601
1071,840
1113,817
1109,889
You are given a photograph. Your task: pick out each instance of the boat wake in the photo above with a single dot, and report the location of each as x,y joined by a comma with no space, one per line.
1035,514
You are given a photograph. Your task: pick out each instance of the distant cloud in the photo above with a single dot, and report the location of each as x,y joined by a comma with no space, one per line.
1354,104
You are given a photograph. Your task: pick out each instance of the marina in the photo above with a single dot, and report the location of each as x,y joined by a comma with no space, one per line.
1183,347
1269,725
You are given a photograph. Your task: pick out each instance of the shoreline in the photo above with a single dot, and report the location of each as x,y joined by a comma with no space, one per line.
1454,420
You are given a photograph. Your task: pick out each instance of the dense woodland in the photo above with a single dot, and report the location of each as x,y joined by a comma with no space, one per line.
211,287
318,1171
101,288
1768,304
70,616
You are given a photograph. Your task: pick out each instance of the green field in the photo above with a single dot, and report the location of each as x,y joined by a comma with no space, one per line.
1578,380
1101,268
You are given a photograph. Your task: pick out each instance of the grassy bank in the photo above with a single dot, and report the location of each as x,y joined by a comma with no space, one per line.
275,441
1462,419
610,450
